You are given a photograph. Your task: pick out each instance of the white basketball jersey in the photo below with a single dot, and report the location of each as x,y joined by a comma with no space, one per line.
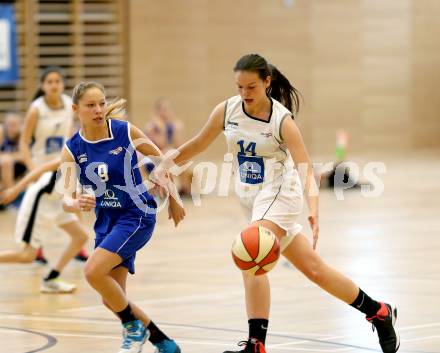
52,129
260,155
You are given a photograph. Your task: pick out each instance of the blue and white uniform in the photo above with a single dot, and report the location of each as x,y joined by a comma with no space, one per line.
125,211
266,181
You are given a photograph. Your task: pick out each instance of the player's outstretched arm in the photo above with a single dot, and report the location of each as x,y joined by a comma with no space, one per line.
206,136
10,194
294,141
143,144
30,122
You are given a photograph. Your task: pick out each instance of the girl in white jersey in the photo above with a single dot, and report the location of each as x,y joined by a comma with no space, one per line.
268,148
48,124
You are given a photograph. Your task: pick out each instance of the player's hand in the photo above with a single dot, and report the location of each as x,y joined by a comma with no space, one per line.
85,202
314,224
175,211
157,190
8,195
160,176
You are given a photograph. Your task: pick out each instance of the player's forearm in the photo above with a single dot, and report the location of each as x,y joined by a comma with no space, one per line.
34,174
312,192
190,149
17,156
70,204
27,157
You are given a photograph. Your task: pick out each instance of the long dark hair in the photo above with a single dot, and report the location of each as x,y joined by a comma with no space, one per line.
48,70
280,87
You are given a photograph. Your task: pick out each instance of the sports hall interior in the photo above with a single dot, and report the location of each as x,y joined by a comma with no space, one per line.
369,68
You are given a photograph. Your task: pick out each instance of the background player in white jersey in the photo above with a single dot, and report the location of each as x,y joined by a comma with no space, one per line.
261,133
48,124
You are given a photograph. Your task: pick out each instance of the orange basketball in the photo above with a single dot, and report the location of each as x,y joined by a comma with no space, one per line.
256,250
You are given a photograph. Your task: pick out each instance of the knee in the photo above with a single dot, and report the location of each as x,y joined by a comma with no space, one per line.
79,237
251,280
248,277
7,161
315,271
26,257
82,238
92,274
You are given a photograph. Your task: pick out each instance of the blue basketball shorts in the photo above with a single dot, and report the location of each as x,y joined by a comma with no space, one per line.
126,236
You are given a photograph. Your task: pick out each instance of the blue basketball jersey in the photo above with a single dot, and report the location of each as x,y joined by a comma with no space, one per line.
109,168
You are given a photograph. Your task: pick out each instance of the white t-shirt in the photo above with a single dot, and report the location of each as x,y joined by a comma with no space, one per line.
52,129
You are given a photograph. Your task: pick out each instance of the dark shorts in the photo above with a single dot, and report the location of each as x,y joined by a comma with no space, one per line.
125,237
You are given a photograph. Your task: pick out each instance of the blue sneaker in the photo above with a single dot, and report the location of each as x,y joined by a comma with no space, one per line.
135,334
167,346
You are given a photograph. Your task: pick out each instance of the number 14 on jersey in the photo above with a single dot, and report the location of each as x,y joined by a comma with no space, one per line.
249,148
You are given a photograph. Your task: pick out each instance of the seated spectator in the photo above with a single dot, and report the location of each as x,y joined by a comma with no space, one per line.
166,131
11,163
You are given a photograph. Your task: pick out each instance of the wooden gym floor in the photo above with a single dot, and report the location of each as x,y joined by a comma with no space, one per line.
188,284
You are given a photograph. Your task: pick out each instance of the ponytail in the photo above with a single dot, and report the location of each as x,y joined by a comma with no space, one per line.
280,87
38,94
283,91
116,110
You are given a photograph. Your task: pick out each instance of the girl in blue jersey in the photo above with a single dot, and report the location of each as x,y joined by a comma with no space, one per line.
104,153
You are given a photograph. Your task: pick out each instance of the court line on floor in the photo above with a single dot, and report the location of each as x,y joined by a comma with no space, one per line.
51,341
293,343
201,343
283,346
116,323
288,336
80,320
420,338
415,327
190,298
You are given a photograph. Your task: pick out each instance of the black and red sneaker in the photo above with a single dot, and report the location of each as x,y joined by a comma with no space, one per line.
384,322
252,345
82,256
41,259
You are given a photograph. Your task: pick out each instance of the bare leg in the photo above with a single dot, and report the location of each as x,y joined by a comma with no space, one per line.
257,288
300,253
78,237
25,255
119,274
7,171
257,293
97,271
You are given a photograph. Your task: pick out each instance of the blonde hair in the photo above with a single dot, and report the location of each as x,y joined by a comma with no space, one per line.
115,109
